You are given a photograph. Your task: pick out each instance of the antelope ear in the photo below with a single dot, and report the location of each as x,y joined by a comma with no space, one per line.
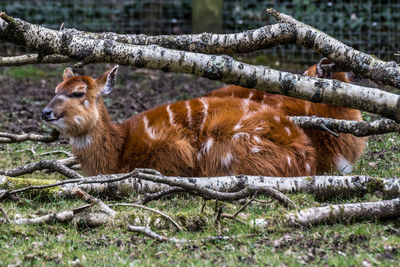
325,68
68,74
107,81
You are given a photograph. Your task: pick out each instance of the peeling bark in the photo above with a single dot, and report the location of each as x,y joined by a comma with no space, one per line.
206,43
120,185
357,128
348,58
223,68
15,138
332,213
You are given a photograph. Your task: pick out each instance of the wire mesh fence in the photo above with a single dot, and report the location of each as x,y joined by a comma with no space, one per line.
372,26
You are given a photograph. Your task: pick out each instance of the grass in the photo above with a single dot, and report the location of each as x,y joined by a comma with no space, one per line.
340,244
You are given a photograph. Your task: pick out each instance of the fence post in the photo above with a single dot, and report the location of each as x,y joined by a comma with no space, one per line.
207,16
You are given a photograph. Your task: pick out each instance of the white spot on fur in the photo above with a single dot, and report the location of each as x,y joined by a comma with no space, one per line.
170,115
205,112
198,156
245,105
81,142
343,165
250,95
288,131
257,139
308,168
149,130
289,160
78,120
307,107
189,113
277,119
238,135
255,149
62,97
86,103
207,145
226,160
237,126
259,128
303,153
279,105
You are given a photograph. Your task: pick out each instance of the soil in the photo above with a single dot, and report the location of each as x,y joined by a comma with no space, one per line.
23,98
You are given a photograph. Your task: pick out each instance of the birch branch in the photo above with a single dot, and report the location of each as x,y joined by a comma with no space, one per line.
223,68
15,138
348,58
357,128
62,216
33,59
354,211
119,185
52,164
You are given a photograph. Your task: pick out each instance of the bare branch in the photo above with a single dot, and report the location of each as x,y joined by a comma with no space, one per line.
51,164
15,138
348,58
33,59
223,68
332,213
180,228
62,216
94,201
158,195
5,215
357,128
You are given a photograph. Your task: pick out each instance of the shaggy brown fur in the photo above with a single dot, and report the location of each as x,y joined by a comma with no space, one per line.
329,149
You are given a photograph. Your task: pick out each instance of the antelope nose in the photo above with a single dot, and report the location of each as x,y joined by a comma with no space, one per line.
47,114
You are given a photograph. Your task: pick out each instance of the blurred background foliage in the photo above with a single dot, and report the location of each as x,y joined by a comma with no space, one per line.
372,26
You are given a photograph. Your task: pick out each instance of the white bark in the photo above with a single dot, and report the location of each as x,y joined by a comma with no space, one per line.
332,213
222,68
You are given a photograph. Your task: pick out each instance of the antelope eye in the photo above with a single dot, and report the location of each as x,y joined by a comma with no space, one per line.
76,94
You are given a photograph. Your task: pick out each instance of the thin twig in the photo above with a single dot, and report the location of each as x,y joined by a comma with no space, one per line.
5,215
180,228
163,193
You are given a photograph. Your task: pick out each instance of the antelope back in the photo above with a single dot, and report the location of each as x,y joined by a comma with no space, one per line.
218,136
332,153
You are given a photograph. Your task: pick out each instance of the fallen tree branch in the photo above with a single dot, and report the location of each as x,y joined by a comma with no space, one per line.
180,228
332,213
118,185
348,58
52,164
158,195
62,216
223,68
206,192
33,59
357,128
15,138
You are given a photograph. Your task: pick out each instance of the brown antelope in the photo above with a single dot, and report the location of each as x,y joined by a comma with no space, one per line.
333,153
207,136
